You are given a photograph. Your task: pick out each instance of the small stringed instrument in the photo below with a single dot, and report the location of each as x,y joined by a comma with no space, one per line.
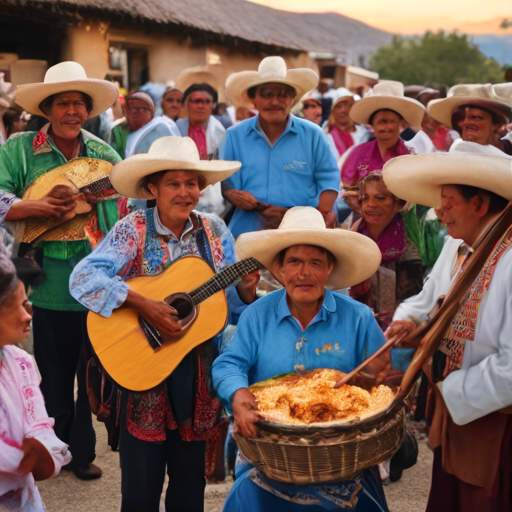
81,175
133,352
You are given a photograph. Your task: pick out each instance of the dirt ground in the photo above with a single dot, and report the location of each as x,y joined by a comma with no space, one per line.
68,494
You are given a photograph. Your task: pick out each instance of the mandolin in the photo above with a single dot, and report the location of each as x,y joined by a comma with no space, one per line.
133,352
81,175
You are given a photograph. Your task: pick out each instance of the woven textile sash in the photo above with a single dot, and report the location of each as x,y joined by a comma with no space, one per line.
463,325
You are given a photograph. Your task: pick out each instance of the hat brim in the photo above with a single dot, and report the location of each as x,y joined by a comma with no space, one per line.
103,94
127,176
420,178
411,110
357,256
442,110
302,80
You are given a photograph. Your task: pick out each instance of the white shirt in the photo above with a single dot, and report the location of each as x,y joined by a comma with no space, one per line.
484,382
436,284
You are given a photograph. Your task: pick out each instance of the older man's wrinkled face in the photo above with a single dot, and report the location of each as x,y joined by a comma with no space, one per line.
304,272
138,114
68,114
274,101
478,127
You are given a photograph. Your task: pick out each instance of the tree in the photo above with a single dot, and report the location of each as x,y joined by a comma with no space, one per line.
435,58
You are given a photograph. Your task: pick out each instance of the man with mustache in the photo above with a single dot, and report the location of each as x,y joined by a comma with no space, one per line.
286,161
67,98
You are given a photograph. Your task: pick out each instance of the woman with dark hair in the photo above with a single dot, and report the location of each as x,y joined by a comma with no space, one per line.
29,448
207,132
394,227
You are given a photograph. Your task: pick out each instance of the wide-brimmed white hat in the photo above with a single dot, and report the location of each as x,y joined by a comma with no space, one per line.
388,95
420,178
340,94
357,256
64,77
497,98
270,70
167,154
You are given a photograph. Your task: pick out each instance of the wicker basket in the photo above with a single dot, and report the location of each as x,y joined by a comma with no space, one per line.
304,455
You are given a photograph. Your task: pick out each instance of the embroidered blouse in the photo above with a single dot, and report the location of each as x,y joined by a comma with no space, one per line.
23,414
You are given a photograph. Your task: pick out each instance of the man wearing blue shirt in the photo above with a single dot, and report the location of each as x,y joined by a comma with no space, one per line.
302,327
286,161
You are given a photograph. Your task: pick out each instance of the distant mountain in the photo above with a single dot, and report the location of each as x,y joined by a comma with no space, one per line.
497,47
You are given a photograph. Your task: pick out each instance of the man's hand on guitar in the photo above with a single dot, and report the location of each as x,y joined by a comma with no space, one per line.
160,315
245,412
246,288
60,203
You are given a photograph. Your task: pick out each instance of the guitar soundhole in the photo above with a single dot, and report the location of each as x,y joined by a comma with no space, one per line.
183,307
183,304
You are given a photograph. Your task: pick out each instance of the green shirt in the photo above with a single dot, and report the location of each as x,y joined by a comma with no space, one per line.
23,158
120,134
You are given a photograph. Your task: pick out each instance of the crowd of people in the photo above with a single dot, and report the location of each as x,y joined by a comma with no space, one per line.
364,210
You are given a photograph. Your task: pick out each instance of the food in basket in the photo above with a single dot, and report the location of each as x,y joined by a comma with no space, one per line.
311,398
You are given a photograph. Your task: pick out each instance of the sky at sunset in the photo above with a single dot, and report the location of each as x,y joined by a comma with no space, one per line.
410,16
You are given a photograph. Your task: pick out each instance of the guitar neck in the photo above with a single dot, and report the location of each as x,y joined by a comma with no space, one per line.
224,279
97,186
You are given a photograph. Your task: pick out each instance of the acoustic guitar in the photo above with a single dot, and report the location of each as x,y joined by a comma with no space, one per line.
133,352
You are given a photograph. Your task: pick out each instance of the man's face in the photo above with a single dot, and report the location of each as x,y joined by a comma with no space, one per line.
67,114
199,106
459,215
312,111
478,127
304,273
341,110
138,114
176,195
386,125
171,104
273,102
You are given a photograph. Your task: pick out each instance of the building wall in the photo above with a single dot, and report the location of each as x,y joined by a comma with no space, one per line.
88,44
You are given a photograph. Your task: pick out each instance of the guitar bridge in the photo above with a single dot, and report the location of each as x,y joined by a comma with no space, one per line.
151,333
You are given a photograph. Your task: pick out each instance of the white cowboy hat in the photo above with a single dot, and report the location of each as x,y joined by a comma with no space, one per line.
493,97
420,178
270,70
357,256
167,154
63,77
198,75
340,94
388,95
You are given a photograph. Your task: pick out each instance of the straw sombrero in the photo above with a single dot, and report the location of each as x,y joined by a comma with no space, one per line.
497,98
270,70
420,178
357,256
63,77
388,95
167,154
